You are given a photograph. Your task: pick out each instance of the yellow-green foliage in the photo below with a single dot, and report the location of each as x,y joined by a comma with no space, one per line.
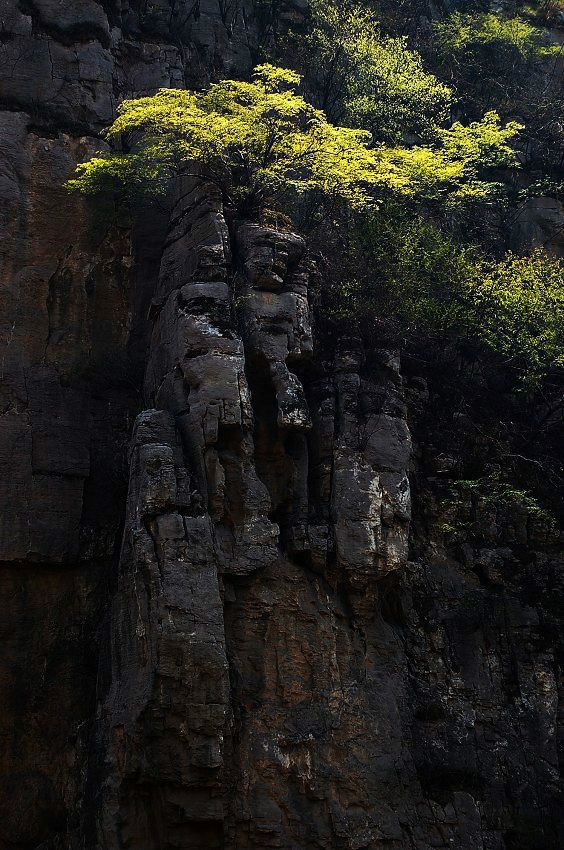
518,310
452,171
461,34
255,139
365,79
261,140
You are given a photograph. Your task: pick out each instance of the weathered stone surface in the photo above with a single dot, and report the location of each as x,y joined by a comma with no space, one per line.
274,311
163,718
84,19
71,86
196,368
274,665
48,628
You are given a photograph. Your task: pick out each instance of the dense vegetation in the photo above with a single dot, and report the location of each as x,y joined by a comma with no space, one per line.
420,207
365,79
420,283
260,141
510,65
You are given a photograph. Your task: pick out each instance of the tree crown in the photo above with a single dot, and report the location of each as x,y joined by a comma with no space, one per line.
261,140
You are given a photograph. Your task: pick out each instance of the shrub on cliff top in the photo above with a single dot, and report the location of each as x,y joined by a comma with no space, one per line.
255,140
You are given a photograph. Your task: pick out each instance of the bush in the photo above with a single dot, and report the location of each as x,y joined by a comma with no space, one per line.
402,271
518,311
504,63
489,58
255,140
493,491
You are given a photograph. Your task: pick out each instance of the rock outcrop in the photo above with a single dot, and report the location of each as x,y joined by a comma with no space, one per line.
225,624
218,497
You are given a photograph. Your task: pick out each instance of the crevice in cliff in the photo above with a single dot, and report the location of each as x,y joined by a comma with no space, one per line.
48,119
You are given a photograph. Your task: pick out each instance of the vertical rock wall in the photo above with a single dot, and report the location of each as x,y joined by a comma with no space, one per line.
74,292
214,632
220,502
281,675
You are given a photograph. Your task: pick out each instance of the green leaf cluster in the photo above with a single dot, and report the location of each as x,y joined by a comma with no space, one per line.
489,58
462,35
256,140
453,171
506,63
518,310
493,490
403,268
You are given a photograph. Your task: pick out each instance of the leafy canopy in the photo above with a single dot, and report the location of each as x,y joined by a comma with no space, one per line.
505,63
489,58
261,141
365,79
402,267
461,34
518,308
453,171
254,139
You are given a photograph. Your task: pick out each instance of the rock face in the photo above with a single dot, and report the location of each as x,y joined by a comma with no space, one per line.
225,624
219,508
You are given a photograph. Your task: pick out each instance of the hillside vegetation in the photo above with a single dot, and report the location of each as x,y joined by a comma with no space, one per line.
413,165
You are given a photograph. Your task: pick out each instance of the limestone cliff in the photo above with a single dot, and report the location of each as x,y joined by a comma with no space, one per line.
233,615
